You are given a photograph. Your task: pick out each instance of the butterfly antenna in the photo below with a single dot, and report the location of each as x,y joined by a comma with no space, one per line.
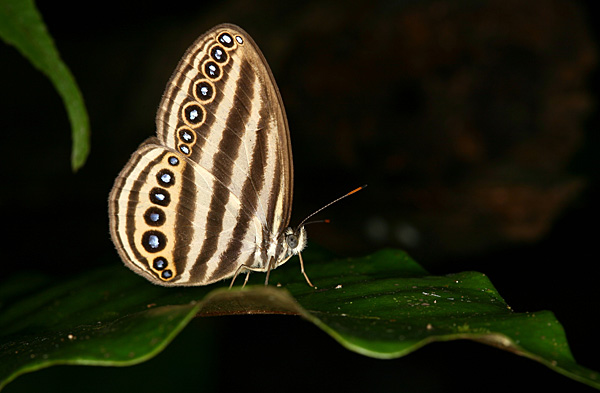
331,203
326,221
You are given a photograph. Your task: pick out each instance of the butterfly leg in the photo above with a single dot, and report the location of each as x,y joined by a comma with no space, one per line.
302,270
246,280
271,263
237,272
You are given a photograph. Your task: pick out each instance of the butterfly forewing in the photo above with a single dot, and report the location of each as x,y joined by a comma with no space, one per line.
213,190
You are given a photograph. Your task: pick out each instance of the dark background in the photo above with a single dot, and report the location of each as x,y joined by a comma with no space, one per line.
473,122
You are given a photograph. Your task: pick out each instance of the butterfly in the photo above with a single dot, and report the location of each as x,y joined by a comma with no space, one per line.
210,195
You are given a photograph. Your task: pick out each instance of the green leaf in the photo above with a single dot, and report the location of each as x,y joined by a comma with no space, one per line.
22,26
384,306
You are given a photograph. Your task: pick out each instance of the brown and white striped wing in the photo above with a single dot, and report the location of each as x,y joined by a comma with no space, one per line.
213,190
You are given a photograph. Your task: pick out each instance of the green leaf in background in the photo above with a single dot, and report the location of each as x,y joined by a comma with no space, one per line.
384,306
22,26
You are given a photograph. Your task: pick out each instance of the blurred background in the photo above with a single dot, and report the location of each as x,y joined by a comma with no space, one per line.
474,123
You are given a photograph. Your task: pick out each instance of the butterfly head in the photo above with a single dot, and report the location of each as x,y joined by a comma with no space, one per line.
293,241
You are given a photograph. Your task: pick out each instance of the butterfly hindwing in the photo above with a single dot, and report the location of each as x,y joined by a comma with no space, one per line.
160,228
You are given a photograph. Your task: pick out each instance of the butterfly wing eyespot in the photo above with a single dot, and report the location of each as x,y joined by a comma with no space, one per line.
212,70
226,40
159,196
185,149
160,263
154,216
204,91
154,241
193,114
165,178
218,54
209,195
186,135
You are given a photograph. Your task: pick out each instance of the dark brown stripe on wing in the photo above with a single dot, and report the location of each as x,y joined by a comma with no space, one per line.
272,204
229,147
249,199
113,212
184,231
113,202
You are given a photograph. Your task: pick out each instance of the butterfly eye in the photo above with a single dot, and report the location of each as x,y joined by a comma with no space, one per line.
292,240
